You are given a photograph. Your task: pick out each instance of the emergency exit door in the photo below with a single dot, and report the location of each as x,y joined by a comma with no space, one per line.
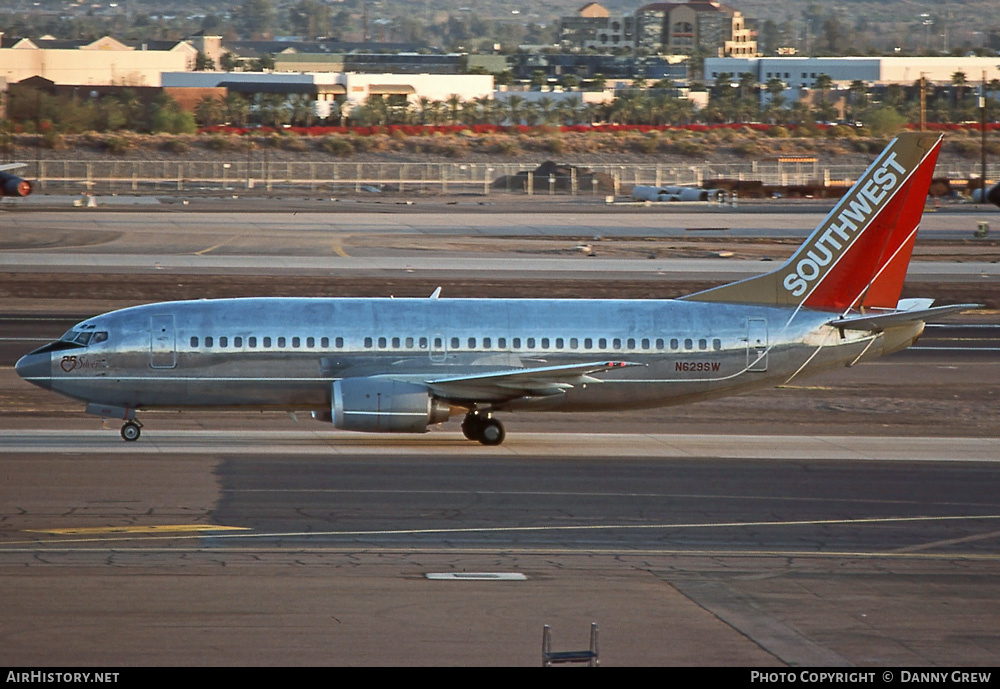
162,345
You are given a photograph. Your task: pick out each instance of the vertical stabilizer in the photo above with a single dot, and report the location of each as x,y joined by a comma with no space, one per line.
858,256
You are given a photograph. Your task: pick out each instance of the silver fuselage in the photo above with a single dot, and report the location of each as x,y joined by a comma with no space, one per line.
286,353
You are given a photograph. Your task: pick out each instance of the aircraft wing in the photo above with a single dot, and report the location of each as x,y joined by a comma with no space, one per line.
877,322
540,381
12,166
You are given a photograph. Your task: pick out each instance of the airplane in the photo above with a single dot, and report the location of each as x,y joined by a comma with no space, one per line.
675,193
12,185
404,365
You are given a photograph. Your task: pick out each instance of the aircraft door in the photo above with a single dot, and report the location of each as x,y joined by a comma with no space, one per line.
162,345
756,344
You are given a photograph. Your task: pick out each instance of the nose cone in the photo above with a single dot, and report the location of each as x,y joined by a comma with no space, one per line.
36,369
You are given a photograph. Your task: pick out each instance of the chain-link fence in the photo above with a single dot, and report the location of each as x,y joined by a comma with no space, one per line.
257,172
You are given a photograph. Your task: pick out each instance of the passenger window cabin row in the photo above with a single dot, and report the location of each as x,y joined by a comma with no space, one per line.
457,344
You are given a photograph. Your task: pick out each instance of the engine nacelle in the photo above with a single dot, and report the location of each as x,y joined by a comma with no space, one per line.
11,185
993,194
380,405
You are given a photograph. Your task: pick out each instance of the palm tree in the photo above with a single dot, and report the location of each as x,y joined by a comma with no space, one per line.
336,113
514,105
530,113
454,102
567,111
209,111
237,110
776,103
301,110
487,109
272,109
423,109
959,81
435,112
545,106
858,91
470,112
132,108
824,111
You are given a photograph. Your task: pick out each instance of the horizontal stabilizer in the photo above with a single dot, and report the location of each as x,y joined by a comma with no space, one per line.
877,322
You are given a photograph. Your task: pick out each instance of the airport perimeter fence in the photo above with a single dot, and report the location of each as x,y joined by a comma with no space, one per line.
125,176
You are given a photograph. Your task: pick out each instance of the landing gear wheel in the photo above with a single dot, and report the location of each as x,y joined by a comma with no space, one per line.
492,433
472,426
131,431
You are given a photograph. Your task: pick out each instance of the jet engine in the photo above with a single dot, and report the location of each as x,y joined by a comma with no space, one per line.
382,405
11,185
993,194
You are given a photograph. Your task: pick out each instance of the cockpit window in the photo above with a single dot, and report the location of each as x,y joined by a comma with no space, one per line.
85,338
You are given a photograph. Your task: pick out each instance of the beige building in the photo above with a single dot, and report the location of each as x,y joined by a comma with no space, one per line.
595,28
684,28
103,62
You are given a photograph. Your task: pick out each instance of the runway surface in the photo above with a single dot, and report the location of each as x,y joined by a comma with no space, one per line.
462,217
451,444
263,549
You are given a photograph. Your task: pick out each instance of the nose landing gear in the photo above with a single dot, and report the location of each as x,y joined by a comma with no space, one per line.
131,430
483,427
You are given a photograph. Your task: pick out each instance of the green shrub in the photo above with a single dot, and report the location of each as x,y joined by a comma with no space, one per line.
504,146
884,121
175,146
363,143
965,147
335,145
807,130
295,144
690,148
52,140
647,144
869,145
218,142
117,145
841,131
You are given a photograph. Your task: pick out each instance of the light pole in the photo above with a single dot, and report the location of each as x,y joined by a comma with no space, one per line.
928,23
982,106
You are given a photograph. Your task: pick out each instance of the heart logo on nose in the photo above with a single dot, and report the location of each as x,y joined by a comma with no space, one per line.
68,363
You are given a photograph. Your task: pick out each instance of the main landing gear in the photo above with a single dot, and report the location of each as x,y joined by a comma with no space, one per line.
483,427
131,430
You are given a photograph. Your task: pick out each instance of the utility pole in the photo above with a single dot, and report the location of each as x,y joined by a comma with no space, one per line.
923,101
982,105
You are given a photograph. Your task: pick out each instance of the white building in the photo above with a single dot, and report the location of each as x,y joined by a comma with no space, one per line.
798,72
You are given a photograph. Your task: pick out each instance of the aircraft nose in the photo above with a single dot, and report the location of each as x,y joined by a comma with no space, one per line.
36,369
